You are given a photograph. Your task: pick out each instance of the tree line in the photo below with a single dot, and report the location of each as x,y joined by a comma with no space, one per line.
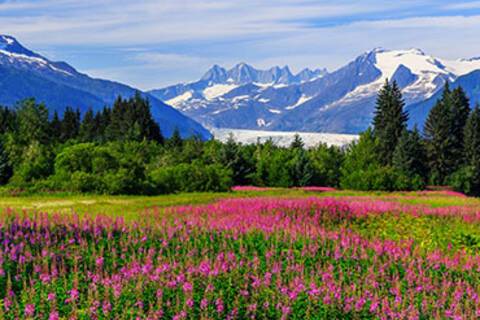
388,156
121,150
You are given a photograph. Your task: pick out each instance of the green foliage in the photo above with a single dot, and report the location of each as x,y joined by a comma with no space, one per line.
409,157
472,138
389,121
441,136
326,162
191,177
238,159
5,167
466,180
460,114
36,164
33,125
88,128
120,150
301,169
361,161
70,124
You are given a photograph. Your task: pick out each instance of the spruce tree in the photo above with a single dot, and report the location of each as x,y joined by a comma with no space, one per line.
460,111
70,124
87,132
301,170
409,157
5,167
231,157
175,140
8,120
390,120
149,129
440,141
472,138
55,125
467,179
297,142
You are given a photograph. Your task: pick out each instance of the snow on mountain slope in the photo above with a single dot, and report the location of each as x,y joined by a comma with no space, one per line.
303,98
340,101
178,100
218,90
26,74
311,139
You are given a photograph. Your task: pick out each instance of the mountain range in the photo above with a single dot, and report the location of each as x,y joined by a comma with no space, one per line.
25,74
243,97
342,101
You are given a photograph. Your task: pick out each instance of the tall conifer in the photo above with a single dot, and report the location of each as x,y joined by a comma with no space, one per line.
390,120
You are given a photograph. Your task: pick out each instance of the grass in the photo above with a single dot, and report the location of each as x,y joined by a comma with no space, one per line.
243,242
130,206
127,206
429,232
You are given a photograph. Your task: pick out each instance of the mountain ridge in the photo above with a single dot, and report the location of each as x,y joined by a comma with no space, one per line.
26,74
341,101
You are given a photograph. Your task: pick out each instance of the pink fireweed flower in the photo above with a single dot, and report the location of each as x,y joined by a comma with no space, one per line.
29,310
187,287
54,315
99,262
219,305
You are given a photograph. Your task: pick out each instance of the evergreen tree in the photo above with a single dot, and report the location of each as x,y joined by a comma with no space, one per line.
88,129
70,124
102,122
389,121
297,142
143,116
460,112
467,178
301,169
116,129
56,126
232,158
8,120
175,140
472,138
440,141
5,167
409,157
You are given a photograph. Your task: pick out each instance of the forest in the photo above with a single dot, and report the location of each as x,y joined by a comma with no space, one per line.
121,150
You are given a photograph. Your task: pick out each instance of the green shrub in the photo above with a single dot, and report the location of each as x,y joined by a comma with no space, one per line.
194,177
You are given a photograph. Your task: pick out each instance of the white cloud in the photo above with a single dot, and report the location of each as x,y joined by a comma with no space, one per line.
463,5
163,41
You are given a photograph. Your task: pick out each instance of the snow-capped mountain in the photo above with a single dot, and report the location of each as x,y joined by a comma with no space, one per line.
341,101
240,87
471,85
25,74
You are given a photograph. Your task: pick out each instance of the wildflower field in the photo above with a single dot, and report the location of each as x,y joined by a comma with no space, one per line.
250,254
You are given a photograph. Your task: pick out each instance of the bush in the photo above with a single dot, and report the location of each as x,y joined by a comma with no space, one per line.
466,180
194,177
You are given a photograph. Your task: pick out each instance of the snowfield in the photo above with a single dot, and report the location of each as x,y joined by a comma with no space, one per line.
283,138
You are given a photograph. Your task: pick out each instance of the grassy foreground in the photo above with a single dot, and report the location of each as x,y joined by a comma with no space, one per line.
258,254
130,206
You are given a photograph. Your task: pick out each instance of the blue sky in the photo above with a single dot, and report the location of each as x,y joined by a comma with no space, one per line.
150,44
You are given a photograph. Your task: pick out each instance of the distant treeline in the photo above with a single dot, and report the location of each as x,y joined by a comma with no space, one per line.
121,150
390,157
